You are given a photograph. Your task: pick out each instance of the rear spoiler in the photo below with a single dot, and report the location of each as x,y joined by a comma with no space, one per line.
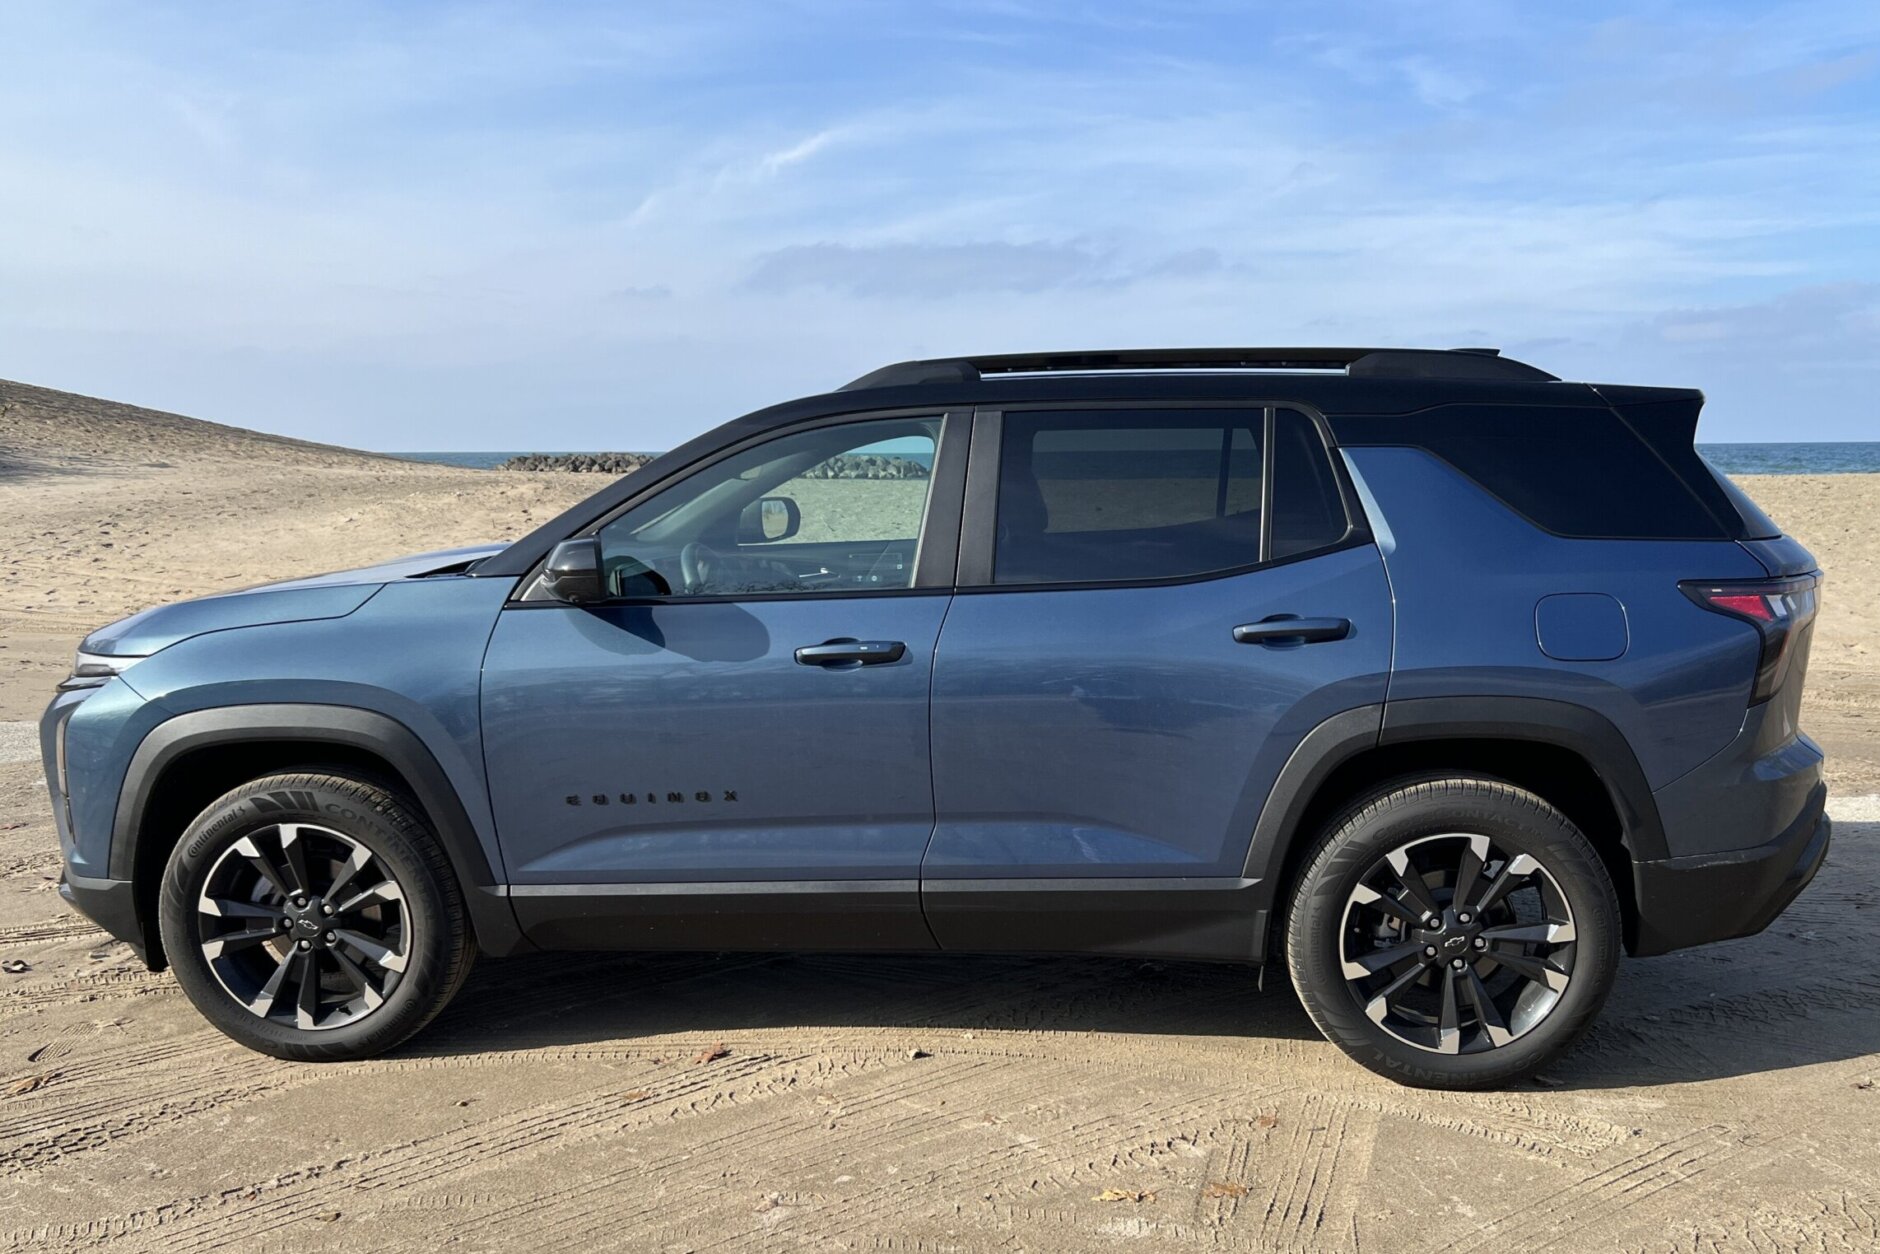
1665,421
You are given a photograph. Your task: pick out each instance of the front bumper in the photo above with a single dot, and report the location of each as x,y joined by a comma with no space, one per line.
1718,896
109,904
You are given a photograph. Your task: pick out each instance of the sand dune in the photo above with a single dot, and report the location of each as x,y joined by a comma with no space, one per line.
49,430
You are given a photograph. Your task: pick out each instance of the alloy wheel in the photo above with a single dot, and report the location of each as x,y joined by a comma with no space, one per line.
304,926
1454,945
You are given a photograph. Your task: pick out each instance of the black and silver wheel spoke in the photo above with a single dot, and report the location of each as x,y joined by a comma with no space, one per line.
1534,969
1449,1019
294,855
1415,892
230,942
264,1000
307,1008
1519,868
1529,933
230,908
385,890
1360,965
1455,947
348,871
1487,1013
265,866
1469,870
304,926
1379,1005
374,952
1366,895
367,991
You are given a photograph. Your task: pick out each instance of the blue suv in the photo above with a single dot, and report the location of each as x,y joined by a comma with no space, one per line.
1435,677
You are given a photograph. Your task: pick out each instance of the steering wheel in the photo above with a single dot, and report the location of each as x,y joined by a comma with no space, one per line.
696,564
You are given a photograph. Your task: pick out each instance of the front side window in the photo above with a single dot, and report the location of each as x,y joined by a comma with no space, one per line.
826,510
1101,497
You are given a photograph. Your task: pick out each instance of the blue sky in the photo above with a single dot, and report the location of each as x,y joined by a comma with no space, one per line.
613,225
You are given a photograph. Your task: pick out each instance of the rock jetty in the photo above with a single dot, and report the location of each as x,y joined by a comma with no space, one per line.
852,466
867,466
580,463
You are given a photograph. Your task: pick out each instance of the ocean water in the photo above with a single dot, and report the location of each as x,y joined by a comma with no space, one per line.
1839,457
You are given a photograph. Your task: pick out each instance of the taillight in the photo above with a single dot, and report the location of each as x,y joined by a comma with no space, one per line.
1779,610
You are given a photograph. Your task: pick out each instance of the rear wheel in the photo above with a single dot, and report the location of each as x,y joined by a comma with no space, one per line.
1453,933
314,917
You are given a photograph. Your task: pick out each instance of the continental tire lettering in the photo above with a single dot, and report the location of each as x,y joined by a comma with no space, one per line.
224,823
236,817
285,800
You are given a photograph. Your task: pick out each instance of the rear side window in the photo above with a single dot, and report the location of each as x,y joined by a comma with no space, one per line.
1133,495
1577,472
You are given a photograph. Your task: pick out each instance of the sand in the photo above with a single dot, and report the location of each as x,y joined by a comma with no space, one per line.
1726,1100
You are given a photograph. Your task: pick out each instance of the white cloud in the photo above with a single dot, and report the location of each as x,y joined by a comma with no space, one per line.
1829,322
803,150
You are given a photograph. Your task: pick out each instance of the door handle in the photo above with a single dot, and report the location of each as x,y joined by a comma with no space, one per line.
851,653
1278,630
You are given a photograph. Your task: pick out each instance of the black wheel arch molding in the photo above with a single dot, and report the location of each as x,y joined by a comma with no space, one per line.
360,730
1576,728
1297,800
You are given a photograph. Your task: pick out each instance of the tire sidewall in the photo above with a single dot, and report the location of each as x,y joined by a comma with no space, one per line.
1519,823
259,806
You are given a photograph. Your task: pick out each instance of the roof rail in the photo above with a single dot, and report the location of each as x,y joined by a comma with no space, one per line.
1369,363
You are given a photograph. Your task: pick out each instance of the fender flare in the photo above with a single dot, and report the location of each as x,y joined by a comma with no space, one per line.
1344,736
368,730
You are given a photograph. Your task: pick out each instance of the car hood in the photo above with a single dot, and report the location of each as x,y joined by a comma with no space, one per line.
291,601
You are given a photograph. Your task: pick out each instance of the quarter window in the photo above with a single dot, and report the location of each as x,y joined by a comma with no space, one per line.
1308,509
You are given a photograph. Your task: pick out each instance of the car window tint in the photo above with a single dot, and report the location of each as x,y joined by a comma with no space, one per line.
1127,495
1308,509
830,509
1575,471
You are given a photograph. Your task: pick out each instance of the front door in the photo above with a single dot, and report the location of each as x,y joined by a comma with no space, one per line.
1116,686
733,751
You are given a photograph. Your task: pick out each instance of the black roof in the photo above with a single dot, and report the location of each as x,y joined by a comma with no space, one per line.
1357,363
1378,382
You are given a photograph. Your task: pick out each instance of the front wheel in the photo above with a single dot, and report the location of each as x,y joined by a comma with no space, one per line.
1453,933
314,917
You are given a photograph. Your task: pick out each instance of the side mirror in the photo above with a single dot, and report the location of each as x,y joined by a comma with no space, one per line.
769,520
573,573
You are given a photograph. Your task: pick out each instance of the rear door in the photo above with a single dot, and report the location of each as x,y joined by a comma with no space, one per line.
1155,607
733,750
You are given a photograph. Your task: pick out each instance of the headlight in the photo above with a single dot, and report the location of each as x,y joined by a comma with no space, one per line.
58,760
89,670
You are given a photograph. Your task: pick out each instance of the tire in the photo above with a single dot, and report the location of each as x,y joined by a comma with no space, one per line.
385,959
1531,967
